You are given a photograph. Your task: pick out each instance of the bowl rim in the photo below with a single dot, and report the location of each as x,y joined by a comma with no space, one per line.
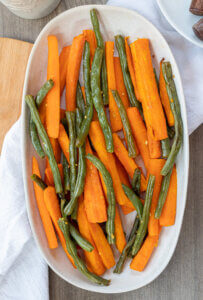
95,288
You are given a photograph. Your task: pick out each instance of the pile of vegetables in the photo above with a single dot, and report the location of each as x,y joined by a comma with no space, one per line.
91,174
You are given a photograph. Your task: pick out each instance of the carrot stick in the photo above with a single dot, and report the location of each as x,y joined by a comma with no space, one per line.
57,151
92,258
94,200
139,133
64,141
91,39
115,118
127,162
155,167
164,97
169,210
102,245
73,69
130,67
154,147
52,204
151,103
140,261
120,85
95,117
108,160
49,175
119,234
53,97
46,220
63,62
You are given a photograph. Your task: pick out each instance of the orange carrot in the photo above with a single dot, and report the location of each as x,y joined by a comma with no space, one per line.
154,147
53,97
73,69
115,118
140,261
64,141
63,62
164,98
119,234
102,245
122,172
91,39
139,133
62,113
49,175
52,204
155,167
95,117
127,162
169,210
120,85
92,258
57,151
46,220
94,200
130,67
108,160
151,103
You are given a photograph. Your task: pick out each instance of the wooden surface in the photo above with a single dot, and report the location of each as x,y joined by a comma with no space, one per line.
181,280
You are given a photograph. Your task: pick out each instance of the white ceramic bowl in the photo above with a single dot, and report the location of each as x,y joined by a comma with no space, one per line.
113,20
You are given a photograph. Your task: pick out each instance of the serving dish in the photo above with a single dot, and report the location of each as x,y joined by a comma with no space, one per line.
65,27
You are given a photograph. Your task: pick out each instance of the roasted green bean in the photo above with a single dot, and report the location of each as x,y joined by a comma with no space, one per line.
134,199
44,91
66,173
83,243
35,139
39,181
165,147
136,181
80,100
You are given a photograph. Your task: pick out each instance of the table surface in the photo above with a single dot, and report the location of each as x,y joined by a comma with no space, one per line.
182,277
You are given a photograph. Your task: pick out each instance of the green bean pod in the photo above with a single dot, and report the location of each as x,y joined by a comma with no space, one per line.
163,194
175,108
120,45
39,181
171,132
66,173
165,147
134,199
83,243
136,181
97,99
44,91
80,100
110,223
84,130
35,139
100,44
64,226
46,143
142,230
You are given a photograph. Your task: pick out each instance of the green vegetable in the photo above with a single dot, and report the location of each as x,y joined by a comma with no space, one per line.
136,181
97,99
64,226
126,124
110,223
83,243
134,199
165,147
35,139
100,44
171,132
89,103
44,91
46,142
39,181
142,230
120,45
79,99
66,173
175,108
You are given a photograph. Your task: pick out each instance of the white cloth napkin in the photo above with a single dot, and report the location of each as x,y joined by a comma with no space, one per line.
23,272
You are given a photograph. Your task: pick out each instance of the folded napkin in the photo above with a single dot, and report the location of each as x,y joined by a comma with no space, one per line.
23,272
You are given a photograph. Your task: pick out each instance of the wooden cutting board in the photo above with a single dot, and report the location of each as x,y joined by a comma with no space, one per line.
13,60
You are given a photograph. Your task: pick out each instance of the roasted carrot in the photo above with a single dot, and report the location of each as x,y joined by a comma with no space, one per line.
154,147
127,162
57,151
164,98
91,38
94,200
151,103
49,175
64,141
140,261
63,62
120,236
169,210
73,69
52,204
155,167
115,118
53,97
108,160
44,214
120,85
92,258
139,133
102,245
